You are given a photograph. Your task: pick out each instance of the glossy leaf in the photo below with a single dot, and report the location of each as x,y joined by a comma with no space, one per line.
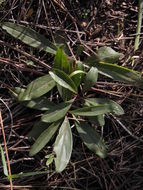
90,79
5,170
37,88
91,139
109,104
63,79
91,111
41,103
61,62
29,37
56,113
63,146
77,76
78,73
44,138
37,129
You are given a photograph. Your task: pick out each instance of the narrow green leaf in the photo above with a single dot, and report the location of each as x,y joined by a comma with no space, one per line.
61,62
109,104
44,138
90,79
29,37
63,79
91,111
91,139
41,103
56,113
37,129
37,88
78,73
77,76
105,54
5,170
119,73
98,120
19,175
63,146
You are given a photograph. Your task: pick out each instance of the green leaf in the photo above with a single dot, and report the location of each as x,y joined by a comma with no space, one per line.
41,103
37,88
50,159
56,113
98,120
15,176
63,146
61,62
91,139
91,111
37,129
5,170
119,73
63,79
76,72
77,76
44,138
109,104
16,91
29,37
103,62
90,79
65,93
105,54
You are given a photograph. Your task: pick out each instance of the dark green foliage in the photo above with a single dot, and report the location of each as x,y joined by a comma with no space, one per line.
66,77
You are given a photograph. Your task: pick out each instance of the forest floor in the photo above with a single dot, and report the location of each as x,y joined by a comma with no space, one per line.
92,24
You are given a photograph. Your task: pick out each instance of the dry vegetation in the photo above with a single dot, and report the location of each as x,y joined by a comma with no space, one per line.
93,24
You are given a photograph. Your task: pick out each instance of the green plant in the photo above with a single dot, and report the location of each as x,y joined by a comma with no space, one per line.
71,80
139,23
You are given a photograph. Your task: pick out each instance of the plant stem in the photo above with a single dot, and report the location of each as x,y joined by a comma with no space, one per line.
139,23
6,150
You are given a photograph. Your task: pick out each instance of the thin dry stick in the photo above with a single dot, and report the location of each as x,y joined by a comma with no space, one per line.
6,151
25,54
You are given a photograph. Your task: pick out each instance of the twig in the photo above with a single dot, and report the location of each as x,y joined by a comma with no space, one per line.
6,151
129,132
25,54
